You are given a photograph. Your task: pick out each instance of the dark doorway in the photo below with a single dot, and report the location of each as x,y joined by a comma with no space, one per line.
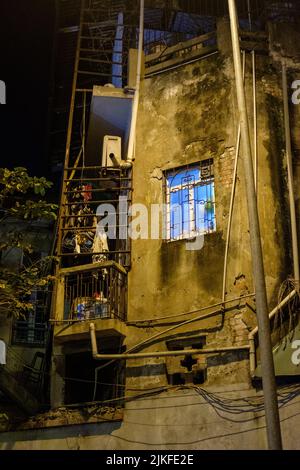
80,379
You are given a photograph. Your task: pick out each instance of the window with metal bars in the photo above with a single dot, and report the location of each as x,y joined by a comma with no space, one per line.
190,201
31,328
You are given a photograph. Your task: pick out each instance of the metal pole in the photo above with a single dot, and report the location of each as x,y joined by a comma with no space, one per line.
290,175
267,364
255,123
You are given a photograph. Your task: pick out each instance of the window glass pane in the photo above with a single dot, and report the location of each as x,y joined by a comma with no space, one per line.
191,200
183,177
179,212
175,215
205,208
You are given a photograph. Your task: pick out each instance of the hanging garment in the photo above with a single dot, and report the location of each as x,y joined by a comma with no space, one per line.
77,245
100,245
80,211
87,192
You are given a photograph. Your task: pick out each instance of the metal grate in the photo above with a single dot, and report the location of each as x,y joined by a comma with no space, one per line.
35,335
85,191
190,201
95,294
32,329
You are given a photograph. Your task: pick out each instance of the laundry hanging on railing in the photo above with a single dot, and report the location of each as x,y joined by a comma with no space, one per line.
100,245
87,192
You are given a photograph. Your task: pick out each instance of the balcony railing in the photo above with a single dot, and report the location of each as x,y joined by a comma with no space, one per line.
165,56
93,291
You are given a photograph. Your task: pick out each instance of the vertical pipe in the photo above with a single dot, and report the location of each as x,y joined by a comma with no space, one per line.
290,174
131,143
255,122
237,151
252,355
267,364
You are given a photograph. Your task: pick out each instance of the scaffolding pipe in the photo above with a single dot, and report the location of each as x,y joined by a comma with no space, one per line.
237,151
70,129
267,364
255,330
135,105
184,352
290,175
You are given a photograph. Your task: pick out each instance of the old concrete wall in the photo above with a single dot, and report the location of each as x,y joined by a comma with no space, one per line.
186,116
284,45
179,419
179,120
295,110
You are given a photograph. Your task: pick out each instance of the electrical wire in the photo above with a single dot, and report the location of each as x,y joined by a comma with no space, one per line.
242,406
223,407
21,362
202,309
292,311
220,404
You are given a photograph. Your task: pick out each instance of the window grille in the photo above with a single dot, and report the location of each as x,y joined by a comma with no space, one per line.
190,201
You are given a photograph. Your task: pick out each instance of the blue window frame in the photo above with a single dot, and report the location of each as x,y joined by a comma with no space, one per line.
190,198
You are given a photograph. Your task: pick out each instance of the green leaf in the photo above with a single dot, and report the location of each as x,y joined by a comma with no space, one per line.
18,194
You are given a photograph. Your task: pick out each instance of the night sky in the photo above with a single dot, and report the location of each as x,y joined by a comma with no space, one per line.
26,49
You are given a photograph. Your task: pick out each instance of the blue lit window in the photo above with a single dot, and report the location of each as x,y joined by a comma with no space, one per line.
190,198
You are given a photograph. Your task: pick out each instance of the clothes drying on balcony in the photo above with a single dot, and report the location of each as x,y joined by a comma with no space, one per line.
87,308
81,216
100,245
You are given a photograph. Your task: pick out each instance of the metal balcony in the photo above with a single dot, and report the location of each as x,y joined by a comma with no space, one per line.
91,292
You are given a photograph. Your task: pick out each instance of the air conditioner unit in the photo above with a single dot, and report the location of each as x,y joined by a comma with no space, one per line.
111,154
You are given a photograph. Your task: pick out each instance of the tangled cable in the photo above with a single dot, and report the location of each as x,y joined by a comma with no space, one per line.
238,406
287,318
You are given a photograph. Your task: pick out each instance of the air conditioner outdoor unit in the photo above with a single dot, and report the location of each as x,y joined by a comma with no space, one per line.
111,154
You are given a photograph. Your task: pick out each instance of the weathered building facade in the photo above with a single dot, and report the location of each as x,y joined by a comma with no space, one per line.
164,291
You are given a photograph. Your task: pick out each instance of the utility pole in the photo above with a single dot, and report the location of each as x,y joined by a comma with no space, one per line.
264,331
